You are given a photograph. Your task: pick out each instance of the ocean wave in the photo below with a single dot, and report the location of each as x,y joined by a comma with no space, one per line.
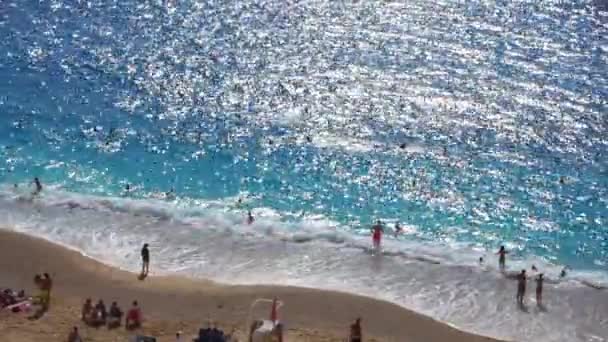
214,241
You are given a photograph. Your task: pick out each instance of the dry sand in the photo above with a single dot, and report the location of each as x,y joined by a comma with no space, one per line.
175,303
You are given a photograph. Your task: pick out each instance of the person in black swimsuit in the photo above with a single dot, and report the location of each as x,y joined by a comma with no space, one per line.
521,287
145,258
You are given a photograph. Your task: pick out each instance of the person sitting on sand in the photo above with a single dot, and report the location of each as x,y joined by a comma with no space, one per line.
74,336
114,316
521,287
43,294
539,289
355,331
502,257
87,311
134,317
100,315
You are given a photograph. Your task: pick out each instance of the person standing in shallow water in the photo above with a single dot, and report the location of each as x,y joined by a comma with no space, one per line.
377,231
38,186
398,229
539,290
250,218
502,257
521,287
145,258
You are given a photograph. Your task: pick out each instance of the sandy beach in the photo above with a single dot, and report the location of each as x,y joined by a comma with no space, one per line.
172,304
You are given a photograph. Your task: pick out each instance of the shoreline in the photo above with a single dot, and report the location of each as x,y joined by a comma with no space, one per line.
309,314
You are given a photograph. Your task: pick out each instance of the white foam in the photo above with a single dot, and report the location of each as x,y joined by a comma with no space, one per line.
212,240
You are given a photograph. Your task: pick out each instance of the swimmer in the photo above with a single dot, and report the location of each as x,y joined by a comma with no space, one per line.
377,231
539,290
38,186
170,195
521,287
127,190
398,229
250,218
563,272
534,268
502,257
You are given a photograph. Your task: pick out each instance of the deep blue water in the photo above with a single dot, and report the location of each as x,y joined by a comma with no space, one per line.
480,123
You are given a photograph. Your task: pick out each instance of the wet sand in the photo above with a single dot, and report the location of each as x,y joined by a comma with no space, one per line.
172,303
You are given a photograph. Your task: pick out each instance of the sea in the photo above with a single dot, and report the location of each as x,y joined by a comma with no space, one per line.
473,124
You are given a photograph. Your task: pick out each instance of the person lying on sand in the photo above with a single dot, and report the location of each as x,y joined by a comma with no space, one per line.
134,317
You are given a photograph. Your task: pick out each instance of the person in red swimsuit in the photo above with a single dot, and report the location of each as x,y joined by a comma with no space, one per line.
377,231
134,317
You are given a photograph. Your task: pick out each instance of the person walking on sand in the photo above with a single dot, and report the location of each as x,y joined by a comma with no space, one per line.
145,258
377,231
539,289
521,287
502,257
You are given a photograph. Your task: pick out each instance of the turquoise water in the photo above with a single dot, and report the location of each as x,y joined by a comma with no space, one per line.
472,124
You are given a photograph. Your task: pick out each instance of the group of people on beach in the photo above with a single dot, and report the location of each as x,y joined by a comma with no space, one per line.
377,231
97,315
522,279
